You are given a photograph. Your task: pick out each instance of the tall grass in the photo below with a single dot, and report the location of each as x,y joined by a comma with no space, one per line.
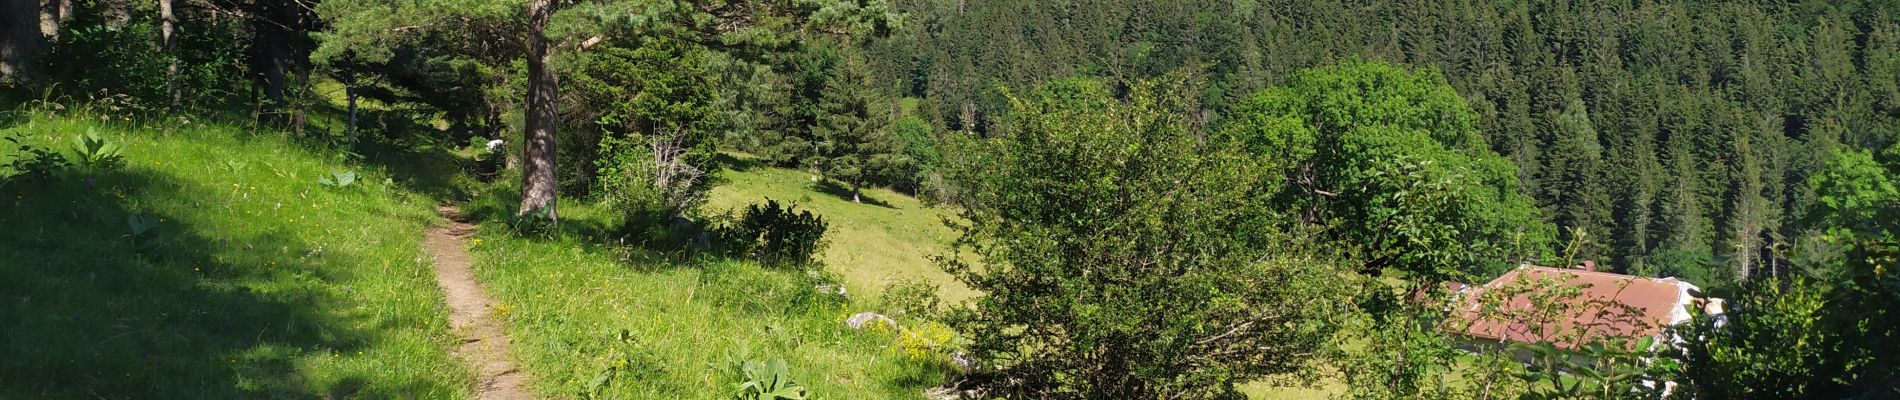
256,282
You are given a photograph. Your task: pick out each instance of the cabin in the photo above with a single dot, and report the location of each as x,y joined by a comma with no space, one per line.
1603,306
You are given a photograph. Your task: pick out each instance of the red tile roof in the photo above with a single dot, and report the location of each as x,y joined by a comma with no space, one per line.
1604,306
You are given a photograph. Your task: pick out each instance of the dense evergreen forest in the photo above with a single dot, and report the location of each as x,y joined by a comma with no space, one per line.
1679,136
1151,198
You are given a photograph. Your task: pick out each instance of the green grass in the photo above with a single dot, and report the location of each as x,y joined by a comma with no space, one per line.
889,236
259,282
566,299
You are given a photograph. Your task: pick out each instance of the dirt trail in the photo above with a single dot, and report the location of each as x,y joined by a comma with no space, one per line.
484,343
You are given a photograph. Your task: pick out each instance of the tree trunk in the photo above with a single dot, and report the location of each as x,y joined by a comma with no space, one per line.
1745,251
537,146
273,74
166,26
20,38
349,95
51,15
269,61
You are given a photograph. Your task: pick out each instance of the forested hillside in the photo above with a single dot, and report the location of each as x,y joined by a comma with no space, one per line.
1678,135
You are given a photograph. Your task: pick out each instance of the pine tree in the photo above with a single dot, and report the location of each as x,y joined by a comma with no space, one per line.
852,141
1576,195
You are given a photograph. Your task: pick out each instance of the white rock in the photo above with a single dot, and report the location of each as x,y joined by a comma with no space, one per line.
865,318
830,289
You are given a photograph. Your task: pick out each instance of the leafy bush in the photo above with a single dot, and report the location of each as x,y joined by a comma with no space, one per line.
95,152
769,380
929,341
31,163
338,178
1123,256
776,235
648,181
912,297
1771,344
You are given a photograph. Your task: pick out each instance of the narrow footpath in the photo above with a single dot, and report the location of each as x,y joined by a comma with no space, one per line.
484,343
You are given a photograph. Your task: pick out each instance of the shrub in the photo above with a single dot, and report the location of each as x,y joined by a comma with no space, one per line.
95,152
31,163
649,178
930,342
776,235
1123,256
769,380
912,297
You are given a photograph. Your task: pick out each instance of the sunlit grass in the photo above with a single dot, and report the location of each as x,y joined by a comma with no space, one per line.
567,298
889,236
256,283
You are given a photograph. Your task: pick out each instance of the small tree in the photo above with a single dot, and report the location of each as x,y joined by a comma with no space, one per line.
853,142
1122,256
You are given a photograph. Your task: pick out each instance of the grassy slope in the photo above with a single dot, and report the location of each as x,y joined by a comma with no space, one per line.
871,244
567,299
262,284
887,237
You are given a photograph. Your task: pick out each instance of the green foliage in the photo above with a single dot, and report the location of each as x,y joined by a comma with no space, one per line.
852,140
1662,126
912,297
627,100
1815,337
31,163
769,380
1119,255
919,162
1854,193
95,152
1395,355
1615,368
651,183
776,235
337,178
626,359
1775,342
143,230
1390,163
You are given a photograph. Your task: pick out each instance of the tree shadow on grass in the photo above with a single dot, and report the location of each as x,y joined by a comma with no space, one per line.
736,163
835,188
181,312
426,168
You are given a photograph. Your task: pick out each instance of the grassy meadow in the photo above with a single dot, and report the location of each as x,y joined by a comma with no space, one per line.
213,265
599,320
887,237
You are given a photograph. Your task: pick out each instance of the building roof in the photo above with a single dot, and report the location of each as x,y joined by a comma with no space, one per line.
1595,306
